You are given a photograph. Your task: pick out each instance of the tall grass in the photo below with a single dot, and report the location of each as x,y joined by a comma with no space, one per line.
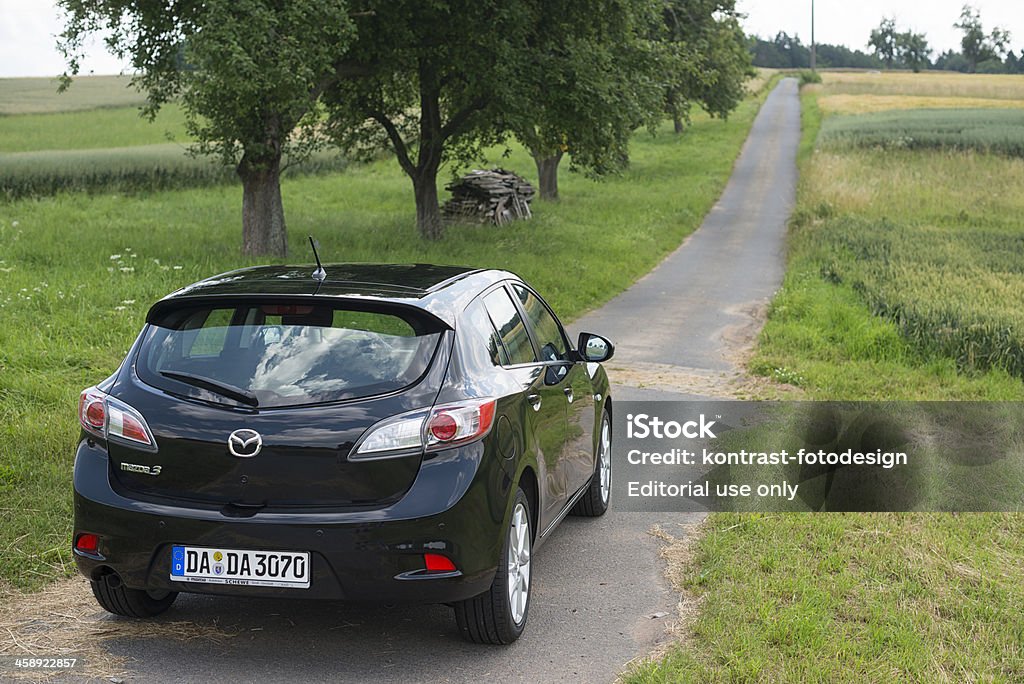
999,131
904,276
845,103
125,169
953,291
929,84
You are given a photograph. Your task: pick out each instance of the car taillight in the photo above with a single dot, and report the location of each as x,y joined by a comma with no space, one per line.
91,411
102,415
459,423
396,436
128,425
443,426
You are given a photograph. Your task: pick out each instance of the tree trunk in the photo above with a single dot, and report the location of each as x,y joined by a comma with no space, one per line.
672,100
428,211
547,174
263,229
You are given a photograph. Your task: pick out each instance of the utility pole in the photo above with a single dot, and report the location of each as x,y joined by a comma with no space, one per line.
814,48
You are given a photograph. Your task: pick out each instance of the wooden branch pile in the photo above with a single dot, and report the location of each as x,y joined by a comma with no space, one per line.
496,196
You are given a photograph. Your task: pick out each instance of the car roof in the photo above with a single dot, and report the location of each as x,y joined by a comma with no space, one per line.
443,291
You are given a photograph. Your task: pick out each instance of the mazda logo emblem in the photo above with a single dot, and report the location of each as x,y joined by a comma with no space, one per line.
245,443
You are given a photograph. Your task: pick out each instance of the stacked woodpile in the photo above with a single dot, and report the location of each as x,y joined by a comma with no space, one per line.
496,196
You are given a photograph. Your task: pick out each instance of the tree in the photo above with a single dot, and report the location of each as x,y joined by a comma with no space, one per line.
976,45
442,74
591,82
766,54
257,69
706,57
951,61
1013,64
883,41
913,50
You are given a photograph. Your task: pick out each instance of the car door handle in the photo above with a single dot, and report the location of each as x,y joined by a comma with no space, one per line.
569,394
534,400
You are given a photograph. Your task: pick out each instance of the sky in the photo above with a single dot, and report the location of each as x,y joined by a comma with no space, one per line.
849,22
28,27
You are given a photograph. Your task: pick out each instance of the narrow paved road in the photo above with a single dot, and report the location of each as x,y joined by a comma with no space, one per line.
596,581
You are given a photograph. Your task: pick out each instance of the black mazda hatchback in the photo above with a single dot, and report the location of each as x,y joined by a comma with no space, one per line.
365,432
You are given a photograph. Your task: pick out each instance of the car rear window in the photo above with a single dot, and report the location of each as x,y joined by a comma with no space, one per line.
273,354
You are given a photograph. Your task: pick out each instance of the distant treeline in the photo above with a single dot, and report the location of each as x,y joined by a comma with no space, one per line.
788,52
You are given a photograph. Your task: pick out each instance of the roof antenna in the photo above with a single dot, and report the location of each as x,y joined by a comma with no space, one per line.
319,275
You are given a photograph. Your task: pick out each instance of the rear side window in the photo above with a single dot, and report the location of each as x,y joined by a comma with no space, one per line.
552,342
482,338
270,354
510,327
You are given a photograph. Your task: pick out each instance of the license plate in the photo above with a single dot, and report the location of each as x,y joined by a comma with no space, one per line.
244,568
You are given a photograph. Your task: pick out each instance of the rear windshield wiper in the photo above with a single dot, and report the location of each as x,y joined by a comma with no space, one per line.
223,389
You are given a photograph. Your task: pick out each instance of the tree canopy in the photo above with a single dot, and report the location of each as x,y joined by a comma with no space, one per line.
255,72
440,75
977,46
265,82
592,79
883,41
706,60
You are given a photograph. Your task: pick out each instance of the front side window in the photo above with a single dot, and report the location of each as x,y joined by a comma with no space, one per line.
273,355
550,339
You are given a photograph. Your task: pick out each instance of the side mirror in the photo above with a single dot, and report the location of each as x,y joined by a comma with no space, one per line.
594,348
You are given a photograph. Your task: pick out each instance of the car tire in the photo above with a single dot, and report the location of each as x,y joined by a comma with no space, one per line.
498,615
118,599
595,500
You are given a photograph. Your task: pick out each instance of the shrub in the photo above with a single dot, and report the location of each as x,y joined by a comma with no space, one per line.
807,76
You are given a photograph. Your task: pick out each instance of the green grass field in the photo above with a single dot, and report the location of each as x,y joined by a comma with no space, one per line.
128,169
77,273
91,129
111,150
903,282
996,131
903,278
39,95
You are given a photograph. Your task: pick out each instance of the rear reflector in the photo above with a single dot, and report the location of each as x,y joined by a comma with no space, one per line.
87,543
435,562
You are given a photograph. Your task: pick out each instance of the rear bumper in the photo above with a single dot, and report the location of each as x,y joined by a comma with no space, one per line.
456,507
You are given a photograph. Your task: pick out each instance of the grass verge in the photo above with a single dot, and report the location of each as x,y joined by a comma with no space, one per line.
852,598
78,272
